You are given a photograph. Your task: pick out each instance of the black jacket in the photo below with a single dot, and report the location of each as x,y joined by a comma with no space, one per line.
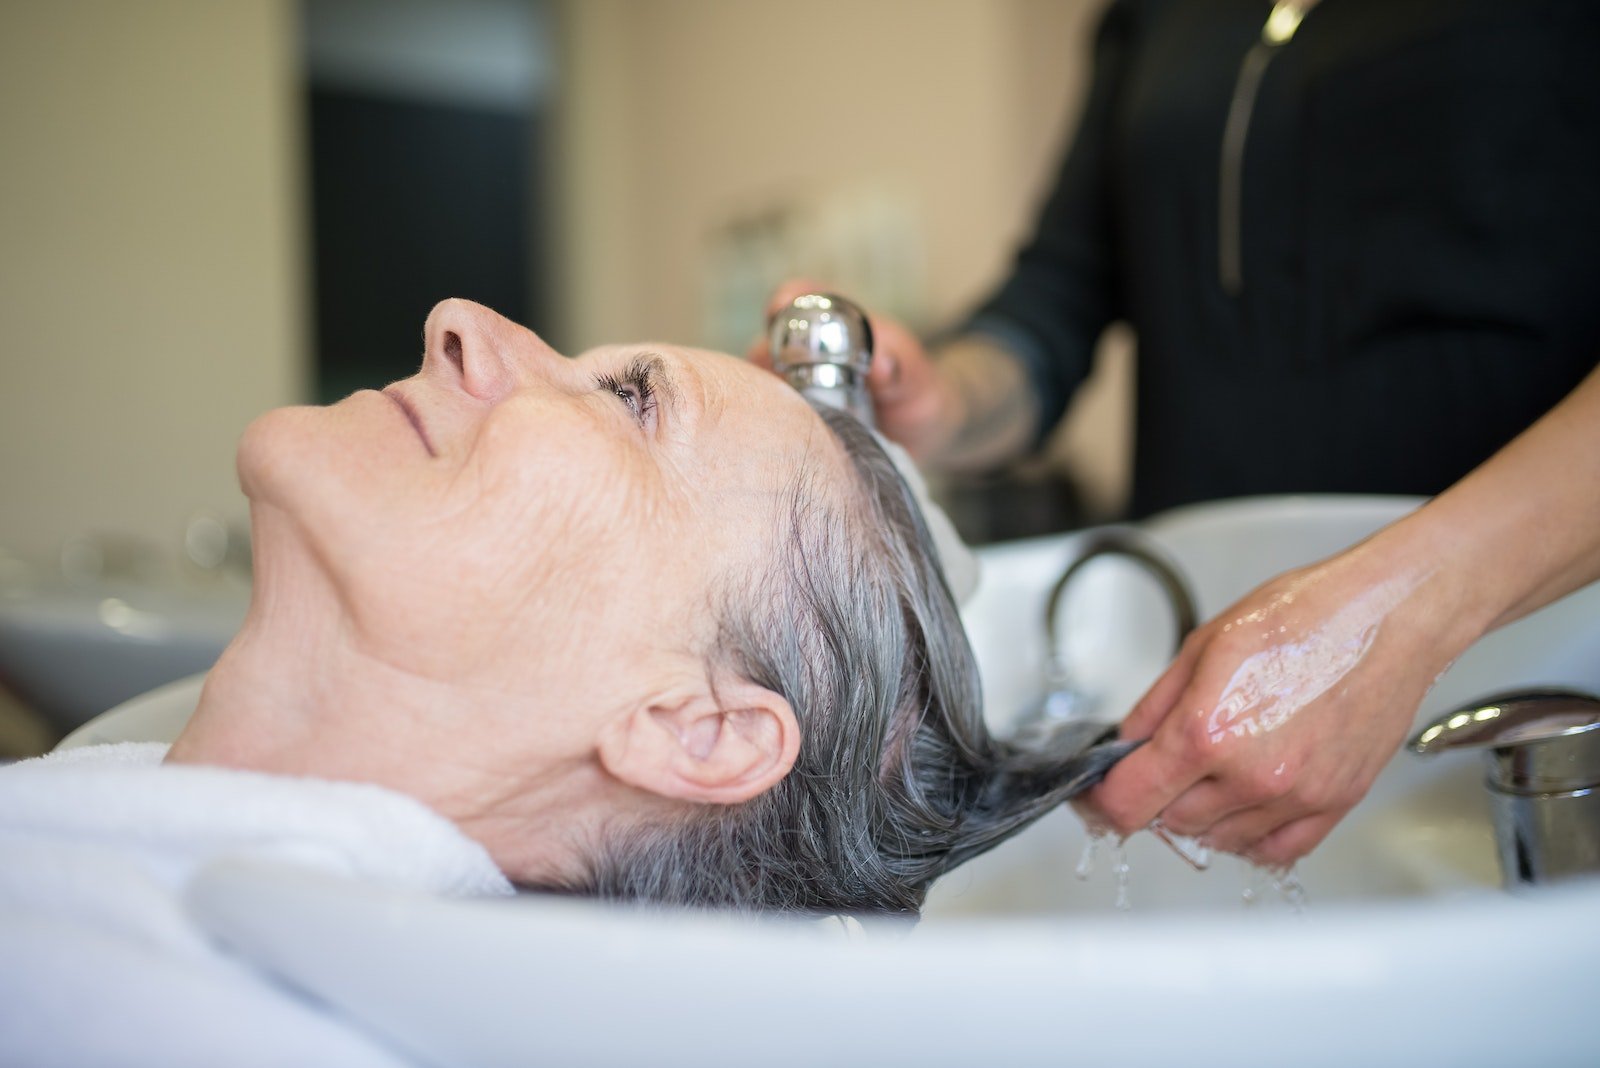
1418,221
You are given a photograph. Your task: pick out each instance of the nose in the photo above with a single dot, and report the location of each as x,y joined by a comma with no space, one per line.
488,353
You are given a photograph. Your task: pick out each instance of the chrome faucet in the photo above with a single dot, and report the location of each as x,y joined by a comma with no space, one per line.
1543,778
1068,718
1063,698
822,345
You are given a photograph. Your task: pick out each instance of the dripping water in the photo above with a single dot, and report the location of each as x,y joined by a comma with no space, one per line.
1261,883
1191,851
1090,858
1284,882
1091,853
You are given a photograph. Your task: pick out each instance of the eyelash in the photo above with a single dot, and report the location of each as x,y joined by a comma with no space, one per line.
636,388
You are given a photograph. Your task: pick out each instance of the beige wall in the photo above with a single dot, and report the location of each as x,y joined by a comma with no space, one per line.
153,280
151,299
678,112
675,113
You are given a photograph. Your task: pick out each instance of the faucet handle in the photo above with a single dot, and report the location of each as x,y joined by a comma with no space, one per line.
1540,741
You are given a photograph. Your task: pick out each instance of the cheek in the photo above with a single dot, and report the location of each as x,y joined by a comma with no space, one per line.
569,481
538,541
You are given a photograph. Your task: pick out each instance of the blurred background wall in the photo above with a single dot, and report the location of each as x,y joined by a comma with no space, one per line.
426,162
683,114
911,140
157,289
152,269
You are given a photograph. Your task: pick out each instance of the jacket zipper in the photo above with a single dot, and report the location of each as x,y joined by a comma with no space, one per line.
1279,30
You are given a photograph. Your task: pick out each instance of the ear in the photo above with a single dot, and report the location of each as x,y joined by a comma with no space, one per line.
721,748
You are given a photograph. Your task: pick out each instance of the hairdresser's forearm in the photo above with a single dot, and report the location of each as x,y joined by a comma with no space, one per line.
992,412
1520,531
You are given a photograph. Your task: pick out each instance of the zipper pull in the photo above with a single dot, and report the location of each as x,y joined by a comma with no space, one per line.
1279,29
1284,20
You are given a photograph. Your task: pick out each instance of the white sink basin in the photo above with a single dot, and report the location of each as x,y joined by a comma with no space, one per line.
1423,830
1017,962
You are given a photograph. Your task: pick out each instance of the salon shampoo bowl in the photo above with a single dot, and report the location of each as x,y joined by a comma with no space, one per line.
563,982
1016,961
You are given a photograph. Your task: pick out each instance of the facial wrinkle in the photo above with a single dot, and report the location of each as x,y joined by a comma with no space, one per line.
1271,686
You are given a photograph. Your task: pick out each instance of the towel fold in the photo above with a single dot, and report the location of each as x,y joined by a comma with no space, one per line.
99,961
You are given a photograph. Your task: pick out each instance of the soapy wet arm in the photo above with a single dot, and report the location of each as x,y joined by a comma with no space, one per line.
1277,715
1526,525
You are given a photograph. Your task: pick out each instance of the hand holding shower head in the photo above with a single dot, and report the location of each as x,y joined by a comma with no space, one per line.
822,346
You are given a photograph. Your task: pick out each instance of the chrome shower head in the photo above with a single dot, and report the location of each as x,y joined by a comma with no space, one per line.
822,346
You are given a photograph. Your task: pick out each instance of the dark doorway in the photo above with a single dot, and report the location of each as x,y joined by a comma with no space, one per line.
421,189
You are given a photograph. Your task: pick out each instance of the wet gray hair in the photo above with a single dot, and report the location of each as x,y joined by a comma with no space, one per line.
897,780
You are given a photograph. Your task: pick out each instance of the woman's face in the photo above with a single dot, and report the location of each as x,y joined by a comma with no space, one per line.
548,530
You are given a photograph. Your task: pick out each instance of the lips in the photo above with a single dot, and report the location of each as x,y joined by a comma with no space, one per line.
405,405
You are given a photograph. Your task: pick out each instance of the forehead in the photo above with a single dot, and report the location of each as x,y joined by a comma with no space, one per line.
716,400
732,384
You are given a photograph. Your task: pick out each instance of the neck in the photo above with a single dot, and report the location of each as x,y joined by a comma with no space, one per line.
300,692
255,710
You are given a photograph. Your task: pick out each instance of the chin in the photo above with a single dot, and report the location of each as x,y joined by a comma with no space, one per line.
347,449
271,453
339,477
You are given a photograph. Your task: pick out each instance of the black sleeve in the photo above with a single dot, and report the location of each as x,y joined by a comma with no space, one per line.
1062,290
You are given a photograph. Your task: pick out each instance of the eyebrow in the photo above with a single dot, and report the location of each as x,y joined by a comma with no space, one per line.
654,366
669,380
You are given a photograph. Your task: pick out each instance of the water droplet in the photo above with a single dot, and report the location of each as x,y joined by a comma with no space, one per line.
1287,882
1191,850
1086,860
1119,868
1255,881
1284,882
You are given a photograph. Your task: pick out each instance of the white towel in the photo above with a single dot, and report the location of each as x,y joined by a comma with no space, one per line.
100,963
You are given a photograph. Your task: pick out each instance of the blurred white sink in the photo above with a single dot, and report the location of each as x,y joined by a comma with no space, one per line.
73,651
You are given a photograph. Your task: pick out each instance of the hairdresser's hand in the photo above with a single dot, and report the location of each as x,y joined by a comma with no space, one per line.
1277,715
914,405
